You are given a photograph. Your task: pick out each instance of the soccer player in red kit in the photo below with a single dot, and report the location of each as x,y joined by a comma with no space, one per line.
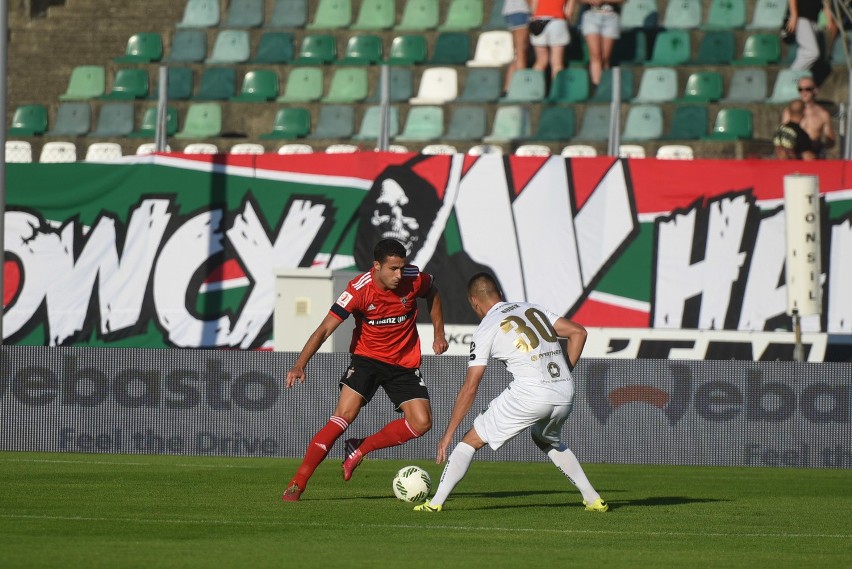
385,353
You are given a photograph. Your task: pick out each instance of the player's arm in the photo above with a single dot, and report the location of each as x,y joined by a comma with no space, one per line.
328,325
464,400
436,313
576,335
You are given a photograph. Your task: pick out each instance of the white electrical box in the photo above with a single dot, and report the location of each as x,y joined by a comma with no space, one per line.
302,299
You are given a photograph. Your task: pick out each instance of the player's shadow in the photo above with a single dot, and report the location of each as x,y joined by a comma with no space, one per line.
663,501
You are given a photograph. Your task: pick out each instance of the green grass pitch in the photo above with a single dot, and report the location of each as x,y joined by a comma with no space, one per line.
117,511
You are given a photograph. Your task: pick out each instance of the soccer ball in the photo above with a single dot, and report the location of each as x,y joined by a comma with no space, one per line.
411,484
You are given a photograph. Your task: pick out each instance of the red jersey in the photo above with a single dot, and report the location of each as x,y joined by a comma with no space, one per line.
385,320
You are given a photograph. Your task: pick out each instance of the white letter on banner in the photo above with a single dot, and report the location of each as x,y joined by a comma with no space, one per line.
840,279
764,298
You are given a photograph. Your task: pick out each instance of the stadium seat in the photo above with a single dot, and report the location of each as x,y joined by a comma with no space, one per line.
217,84
288,14
786,87
331,15
114,119
142,48
451,48
179,86
768,15
188,46
438,85
148,127
717,47
480,149
689,122
532,150
341,149
304,84
725,15
639,14
348,85
526,86
435,149
683,14
675,152
201,148
603,92
375,15
463,15
658,85
334,122
703,87
371,123
419,16
58,151
247,148
838,56
203,120
760,49
579,151
495,17
28,120
555,123
86,82
631,48
400,88
148,148
595,123
231,46
407,50
643,122
731,124
290,123
274,48
128,84
631,151
511,122
259,85
481,85
493,49
103,152
364,49
244,14
317,49
18,152
571,85
466,123
748,85
295,148
200,14
72,119
423,123
671,47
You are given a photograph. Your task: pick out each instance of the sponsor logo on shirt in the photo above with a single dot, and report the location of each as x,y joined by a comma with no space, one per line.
371,307
387,321
344,299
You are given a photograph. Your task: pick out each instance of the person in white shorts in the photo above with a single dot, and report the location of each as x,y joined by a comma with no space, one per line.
601,24
549,33
526,338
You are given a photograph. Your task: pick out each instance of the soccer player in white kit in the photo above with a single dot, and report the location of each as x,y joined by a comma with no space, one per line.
525,337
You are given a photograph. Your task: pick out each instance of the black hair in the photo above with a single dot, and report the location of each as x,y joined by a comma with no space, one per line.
389,248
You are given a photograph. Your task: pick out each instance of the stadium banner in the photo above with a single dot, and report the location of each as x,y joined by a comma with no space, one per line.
234,403
182,251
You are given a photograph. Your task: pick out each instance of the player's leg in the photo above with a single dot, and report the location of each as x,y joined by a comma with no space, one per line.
457,466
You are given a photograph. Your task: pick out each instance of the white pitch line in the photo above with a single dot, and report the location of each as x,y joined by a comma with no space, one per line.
112,463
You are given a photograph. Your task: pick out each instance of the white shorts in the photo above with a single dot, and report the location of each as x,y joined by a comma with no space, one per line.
507,416
554,33
604,24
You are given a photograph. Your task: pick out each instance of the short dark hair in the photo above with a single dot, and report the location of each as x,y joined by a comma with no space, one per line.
483,285
388,248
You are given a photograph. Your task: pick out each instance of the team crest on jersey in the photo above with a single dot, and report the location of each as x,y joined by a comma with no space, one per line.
404,300
553,369
344,299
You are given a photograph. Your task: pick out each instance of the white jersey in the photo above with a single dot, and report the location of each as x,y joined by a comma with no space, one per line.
521,335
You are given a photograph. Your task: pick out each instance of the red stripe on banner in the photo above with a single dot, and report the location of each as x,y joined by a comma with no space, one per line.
600,314
11,282
586,174
228,270
363,165
436,171
524,168
239,160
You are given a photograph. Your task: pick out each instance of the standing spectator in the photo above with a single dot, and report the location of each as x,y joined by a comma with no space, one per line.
790,141
803,22
550,35
516,13
601,25
816,120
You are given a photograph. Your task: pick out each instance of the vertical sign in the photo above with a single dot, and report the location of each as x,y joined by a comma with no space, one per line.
804,267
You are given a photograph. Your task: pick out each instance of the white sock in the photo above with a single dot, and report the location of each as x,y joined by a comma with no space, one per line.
455,469
565,461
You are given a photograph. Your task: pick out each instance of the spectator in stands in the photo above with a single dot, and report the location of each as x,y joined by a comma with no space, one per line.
816,120
791,141
803,21
549,33
601,25
516,13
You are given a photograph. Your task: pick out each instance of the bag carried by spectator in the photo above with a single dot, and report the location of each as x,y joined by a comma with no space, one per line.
537,26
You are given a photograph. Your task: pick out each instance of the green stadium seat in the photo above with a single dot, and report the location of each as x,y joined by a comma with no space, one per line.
748,85
364,49
703,87
760,49
179,84
786,87
217,84
643,122
511,122
400,88
231,46
657,85
274,48
28,120
407,50
375,15
331,15
419,15
148,127
114,119
348,85
200,14
467,122
290,123
639,14
371,123
335,122
731,124
86,82
451,48
689,122
142,48
595,124
683,14
526,86
423,123
555,123
717,47
304,84
72,119
317,49
203,120
571,85
603,92
129,84
838,56
288,14
768,15
671,47
725,15
259,86
482,85
495,16
631,48
188,46
244,14
463,15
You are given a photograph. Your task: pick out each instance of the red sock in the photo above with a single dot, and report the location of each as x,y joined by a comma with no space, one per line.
391,435
318,449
